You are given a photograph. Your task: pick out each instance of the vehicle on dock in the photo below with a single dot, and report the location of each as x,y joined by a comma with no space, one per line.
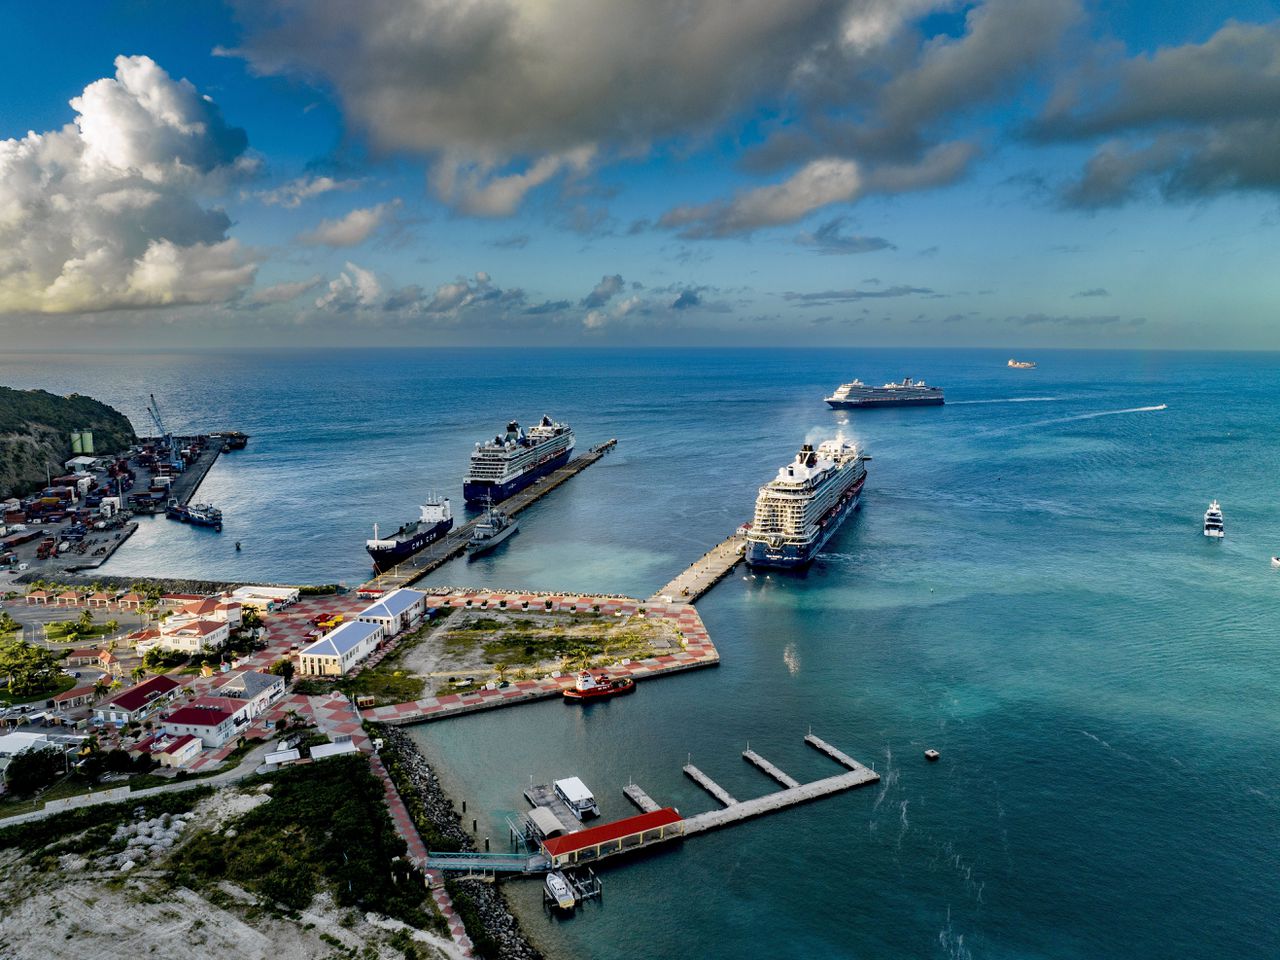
196,514
558,891
589,687
435,519
508,463
580,801
495,527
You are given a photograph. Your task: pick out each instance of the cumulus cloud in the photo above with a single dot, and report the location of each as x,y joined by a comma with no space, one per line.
686,300
296,192
1192,121
350,230
352,289
605,290
106,212
830,239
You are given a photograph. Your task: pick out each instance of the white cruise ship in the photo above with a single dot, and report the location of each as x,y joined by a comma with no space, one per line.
509,463
799,510
908,393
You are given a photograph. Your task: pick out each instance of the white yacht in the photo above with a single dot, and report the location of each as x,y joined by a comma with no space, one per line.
577,797
1213,521
559,892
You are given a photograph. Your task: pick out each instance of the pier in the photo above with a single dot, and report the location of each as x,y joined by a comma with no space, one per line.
709,785
454,542
705,572
188,482
785,779
644,803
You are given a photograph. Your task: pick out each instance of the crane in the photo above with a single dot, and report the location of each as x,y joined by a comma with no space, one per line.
153,408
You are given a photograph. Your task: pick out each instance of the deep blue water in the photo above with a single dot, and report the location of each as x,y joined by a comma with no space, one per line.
1026,589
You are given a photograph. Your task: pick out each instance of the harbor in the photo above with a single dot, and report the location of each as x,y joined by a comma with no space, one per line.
705,572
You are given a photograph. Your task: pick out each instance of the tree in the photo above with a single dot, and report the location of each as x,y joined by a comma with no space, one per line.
85,621
111,626
29,669
8,624
284,668
138,673
33,769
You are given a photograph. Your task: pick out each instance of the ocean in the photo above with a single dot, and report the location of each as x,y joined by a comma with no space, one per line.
1025,589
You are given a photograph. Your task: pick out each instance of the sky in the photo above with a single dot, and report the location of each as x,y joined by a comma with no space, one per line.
1003,173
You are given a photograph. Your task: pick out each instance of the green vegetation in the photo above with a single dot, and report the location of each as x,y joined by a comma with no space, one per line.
90,828
156,659
427,829
469,912
32,769
319,589
326,826
574,640
8,625
80,629
388,682
29,672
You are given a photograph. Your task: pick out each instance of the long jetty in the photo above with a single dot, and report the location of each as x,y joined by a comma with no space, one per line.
188,482
705,572
455,542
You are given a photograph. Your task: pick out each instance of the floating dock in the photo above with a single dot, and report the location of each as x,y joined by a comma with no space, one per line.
704,573
544,795
455,542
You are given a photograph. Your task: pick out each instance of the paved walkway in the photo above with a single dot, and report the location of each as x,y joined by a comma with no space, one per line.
705,572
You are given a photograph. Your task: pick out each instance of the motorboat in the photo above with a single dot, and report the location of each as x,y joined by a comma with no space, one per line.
1213,526
591,687
559,892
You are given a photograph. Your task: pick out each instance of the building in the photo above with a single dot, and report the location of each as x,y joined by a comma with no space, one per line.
266,598
170,751
138,701
84,657
187,636
322,751
340,650
12,744
584,846
258,690
101,600
131,601
74,699
398,611
212,725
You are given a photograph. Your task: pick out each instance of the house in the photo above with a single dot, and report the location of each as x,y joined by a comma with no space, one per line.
170,751
340,650
213,608
138,701
213,725
193,636
83,657
258,690
74,698
109,662
398,611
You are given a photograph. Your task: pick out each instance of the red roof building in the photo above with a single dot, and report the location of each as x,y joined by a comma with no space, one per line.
609,838
213,725
137,701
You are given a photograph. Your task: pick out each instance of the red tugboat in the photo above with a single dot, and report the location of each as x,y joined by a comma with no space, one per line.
602,687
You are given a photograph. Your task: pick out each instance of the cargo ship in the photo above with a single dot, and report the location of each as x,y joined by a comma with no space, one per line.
1022,364
798,511
196,514
510,462
908,393
435,519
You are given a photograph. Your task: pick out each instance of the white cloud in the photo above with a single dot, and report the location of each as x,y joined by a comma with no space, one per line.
354,287
473,186
105,213
353,229
295,192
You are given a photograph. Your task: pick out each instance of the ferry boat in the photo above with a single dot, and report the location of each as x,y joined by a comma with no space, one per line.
196,514
577,797
491,531
588,687
558,891
1213,526
798,511
435,519
509,463
908,393
1022,364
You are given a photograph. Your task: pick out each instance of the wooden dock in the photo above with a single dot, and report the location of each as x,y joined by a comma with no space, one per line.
709,785
455,542
644,803
783,778
705,572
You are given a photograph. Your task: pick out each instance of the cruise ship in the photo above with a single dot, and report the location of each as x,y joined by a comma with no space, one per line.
908,393
435,519
799,510
509,463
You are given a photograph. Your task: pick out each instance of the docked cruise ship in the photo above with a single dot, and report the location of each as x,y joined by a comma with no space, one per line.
509,463
799,510
435,519
908,393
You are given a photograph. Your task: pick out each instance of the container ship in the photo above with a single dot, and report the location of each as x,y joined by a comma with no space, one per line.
434,521
908,393
798,511
509,463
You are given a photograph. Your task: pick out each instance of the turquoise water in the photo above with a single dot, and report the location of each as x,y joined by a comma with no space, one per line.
1026,589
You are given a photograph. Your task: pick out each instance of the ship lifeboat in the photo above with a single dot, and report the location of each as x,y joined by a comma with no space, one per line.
590,687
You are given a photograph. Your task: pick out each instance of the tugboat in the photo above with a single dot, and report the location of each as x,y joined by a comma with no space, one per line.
590,687
196,514
491,531
1213,526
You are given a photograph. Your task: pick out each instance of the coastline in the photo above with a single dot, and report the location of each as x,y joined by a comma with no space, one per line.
480,904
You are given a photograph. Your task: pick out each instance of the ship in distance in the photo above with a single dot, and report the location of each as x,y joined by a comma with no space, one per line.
799,510
435,519
908,393
1022,364
512,461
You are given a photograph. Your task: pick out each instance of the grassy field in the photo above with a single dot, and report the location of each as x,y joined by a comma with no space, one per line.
570,640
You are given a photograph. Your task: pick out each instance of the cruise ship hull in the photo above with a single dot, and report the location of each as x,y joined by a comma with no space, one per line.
480,491
792,556
384,558
862,402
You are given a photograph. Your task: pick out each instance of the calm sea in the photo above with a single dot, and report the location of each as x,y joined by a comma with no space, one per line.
1026,589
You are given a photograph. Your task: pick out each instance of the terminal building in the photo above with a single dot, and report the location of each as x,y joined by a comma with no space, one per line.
338,651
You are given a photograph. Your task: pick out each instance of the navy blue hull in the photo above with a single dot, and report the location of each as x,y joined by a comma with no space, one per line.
863,404
385,559
479,491
792,556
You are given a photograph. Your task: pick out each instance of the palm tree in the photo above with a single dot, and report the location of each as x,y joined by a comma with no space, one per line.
138,673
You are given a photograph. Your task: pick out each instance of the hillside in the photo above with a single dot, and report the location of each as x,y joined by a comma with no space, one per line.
35,434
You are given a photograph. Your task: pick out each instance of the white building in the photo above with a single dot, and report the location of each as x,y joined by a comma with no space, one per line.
398,611
212,725
266,598
191,635
340,650
257,690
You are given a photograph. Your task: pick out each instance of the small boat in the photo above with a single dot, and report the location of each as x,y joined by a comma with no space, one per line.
931,755
1275,562
491,531
1213,526
577,797
1022,364
559,892
589,687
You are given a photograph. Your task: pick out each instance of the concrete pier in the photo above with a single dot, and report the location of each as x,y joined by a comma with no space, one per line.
781,800
635,793
455,542
709,785
838,756
544,795
785,779
705,572
188,482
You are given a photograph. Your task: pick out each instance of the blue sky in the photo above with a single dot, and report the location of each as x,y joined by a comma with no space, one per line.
1011,173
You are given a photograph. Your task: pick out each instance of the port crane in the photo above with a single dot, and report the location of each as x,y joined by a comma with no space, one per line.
153,408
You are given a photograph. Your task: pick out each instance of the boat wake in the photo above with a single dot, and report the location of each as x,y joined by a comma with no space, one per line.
956,403
1106,413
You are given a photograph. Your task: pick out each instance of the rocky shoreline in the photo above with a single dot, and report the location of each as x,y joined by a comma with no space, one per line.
479,904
